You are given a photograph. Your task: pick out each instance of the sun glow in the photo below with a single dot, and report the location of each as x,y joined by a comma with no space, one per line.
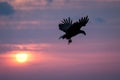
21,57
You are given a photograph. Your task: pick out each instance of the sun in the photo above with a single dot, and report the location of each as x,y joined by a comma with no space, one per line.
21,57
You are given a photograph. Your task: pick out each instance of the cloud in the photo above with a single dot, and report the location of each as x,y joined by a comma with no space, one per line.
51,4
99,20
4,48
40,4
6,8
30,4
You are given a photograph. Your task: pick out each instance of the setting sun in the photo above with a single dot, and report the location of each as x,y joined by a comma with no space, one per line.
22,57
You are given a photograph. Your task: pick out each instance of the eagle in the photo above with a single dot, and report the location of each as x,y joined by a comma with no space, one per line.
72,29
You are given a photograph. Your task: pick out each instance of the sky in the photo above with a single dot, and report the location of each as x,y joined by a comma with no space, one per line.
31,27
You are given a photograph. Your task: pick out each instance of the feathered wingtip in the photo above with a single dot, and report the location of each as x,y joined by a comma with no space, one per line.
65,24
84,20
66,21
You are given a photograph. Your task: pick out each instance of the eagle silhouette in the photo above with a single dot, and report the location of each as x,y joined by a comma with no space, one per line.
72,29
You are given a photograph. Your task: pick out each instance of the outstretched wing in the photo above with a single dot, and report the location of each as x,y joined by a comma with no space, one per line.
83,21
65,24
78,24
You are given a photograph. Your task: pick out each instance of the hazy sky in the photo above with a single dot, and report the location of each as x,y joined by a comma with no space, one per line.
31,26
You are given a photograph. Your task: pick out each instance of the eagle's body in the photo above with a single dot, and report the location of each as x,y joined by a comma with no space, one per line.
72,29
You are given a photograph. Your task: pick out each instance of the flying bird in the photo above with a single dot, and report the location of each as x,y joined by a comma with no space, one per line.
72,29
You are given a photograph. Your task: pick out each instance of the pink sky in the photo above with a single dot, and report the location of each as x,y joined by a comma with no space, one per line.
31,26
